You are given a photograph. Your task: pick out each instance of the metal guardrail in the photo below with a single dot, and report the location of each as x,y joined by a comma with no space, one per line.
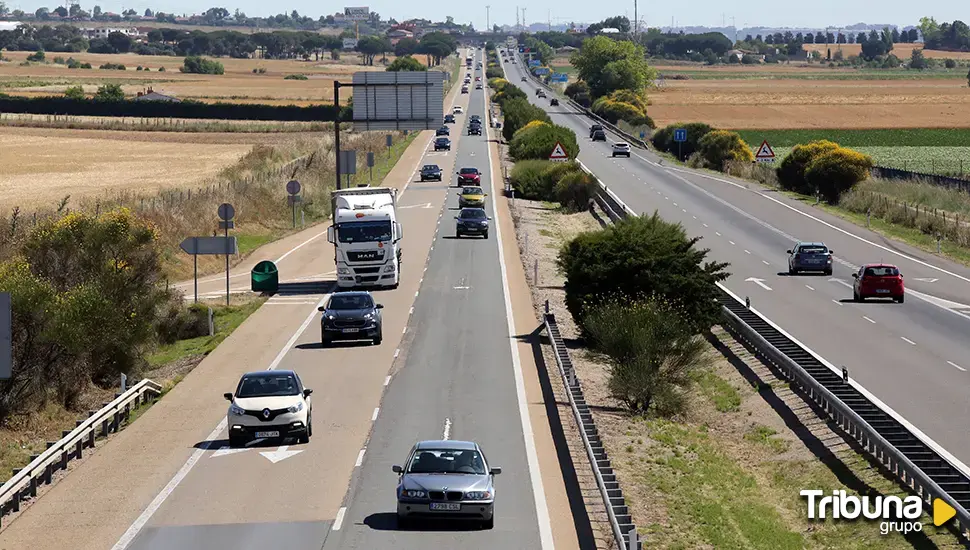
915,462
25,480
621,522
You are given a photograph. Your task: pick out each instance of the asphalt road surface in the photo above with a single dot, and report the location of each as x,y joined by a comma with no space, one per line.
457,382
913,356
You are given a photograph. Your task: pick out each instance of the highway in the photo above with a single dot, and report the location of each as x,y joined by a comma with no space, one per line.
914,357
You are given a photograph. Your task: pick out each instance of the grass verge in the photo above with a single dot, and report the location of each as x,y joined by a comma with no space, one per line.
125,124
816,73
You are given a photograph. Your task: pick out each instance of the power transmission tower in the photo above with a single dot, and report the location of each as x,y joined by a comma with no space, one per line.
488,26
524,26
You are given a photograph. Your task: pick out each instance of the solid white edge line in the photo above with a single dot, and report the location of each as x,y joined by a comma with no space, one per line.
387,380
954,365
447,431
908,341
339,520
954,461
360,458
868,319
159,499
542,508
377,411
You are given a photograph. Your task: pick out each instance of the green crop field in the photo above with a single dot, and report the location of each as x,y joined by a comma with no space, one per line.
816,73
903,137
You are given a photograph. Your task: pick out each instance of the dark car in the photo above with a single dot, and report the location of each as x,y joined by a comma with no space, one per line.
474,129
350,315
469,175
809,256
524,79
449,119
878,281
442,144
594,128
599,135
430,172
471,221
443,131
475,118
554,102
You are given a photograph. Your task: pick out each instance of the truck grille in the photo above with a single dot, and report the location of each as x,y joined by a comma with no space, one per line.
363,270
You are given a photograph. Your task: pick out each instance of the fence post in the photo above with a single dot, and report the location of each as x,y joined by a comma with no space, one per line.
868,217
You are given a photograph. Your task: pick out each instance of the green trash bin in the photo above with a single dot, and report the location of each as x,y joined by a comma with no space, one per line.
266,278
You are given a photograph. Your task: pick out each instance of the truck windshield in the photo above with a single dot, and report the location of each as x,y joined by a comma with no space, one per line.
364,232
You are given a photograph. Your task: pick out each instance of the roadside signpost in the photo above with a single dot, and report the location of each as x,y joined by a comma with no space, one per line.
207,246
389,142
370,165
227,215
765,153
6,337
348,164
293,190
558,153
680,136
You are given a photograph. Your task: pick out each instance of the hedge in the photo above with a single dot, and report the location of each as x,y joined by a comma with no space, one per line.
59,105
791,172
494,72
517,113
539,141
720,146
837,171
537,179
663,139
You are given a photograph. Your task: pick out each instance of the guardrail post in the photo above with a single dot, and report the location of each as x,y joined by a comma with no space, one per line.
747,302
117,422
212,326
16,497
845,374
127,411
104,428
64,459
868,216
547,307
124,382
80,446
632,540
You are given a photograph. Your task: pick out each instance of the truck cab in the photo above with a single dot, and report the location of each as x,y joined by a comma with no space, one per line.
366,237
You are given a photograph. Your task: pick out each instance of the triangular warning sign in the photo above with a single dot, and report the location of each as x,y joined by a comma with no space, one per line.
765,151
558,153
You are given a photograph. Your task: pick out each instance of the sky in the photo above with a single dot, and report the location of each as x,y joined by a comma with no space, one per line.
710,13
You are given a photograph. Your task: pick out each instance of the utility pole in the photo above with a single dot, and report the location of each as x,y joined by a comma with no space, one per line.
517,27
733,26
488,26
525,28
636,21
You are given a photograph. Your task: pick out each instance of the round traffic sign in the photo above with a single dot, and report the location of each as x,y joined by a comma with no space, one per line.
226,211
293,187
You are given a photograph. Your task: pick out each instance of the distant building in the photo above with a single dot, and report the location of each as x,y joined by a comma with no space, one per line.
397,34
103,32
152,95
609,30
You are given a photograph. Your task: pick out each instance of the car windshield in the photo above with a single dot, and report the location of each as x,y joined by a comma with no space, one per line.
881,271
364,232
442,140
472,214
354,301
813,249
469,170
472,191
447,461
267,385
431,167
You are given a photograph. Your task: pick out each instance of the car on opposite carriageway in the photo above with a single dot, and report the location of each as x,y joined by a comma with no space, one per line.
351,315
809,256
269,405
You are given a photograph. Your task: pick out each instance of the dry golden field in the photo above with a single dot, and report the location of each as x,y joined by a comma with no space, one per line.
902,51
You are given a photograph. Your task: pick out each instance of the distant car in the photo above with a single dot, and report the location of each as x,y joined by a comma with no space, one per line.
269,405
540,93
472,197
442,144
478,79
554,102
475,118
809,256
464,89
878,281
593,129
446,480
457,110
475,129
430,172
469,175
350,315
449,119
471,221
621,149
443,131
599,135
524,79
478,86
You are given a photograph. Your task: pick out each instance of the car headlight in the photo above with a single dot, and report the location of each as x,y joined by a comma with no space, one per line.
389,268
415,494
343,271
295,408
329,317
368,316
236,410
478,495
829,259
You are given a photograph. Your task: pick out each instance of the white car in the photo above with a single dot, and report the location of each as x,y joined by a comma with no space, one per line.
621,149
457,110
269,405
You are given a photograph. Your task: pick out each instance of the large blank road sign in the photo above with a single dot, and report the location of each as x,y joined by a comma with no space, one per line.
357,14
401,100
208,246
348,162
6,337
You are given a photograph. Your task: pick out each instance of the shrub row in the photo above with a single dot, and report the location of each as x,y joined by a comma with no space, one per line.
56,105
562,182
537,139
823,167
624,105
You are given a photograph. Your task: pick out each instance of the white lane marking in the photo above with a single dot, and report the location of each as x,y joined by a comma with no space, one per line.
675,204
226,450
907,340
954,365
667,198
684,210
387,380
695,217
159,499
759,282
377,411
538,492
397,352
836,302
732,242
841,282
360,458
718,233
447,432
282,453
339,520
747,252
810,288
868,319
705,225
765,262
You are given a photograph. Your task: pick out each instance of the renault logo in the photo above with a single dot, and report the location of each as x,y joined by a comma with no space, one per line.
266,413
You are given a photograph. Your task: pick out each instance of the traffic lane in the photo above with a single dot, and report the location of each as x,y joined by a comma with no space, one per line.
465,385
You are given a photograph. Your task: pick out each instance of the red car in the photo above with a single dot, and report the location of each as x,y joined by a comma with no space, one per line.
878,281
469,176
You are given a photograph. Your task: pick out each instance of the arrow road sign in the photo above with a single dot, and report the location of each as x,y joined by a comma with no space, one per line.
759,282
765,153
279,454
680,135
203,246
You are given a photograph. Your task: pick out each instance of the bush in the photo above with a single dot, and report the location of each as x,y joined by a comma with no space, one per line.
295,77
200,65
75,92
642,257
720,146
161,69
537,179
624,105
508,93
663,139
113,67
949,63
109,92
139,68
72,63
574,190
579,92
652,351
837,171
406,63
791,172
86,66
539,141
517,113
37,56
59,60
177,322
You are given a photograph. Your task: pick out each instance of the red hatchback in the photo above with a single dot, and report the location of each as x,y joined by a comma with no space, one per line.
878,281
469,175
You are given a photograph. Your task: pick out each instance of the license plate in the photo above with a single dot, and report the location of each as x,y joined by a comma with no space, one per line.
266,435
446,506
346,330
882,291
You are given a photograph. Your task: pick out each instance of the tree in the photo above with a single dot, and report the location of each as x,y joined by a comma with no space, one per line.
109,92
148,13
96,11
437,46
860,38
721,146
917,60
75,10
74,92
840,39
119,41
370,46
791,172
895,34
200,65
406,46
642,257
61,11
836,171
819,38
968,78
913,35
43,14
608,65
3,9
406,63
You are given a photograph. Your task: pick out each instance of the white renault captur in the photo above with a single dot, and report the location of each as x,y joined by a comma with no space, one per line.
269,405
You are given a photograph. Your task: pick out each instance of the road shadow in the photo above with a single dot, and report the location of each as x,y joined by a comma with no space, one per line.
804,274
306,288
216,444
457,238
336,344
387,521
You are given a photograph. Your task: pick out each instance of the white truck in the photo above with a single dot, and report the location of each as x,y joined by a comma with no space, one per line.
366,237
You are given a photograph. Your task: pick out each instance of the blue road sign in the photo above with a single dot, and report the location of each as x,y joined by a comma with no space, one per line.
559,77
680,135
541,71
642,134
534,62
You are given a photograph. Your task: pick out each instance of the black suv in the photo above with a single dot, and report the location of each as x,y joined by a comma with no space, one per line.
351,316
430,172
554,102
444,144
443,131
474,129
475,118
471,221
449,119
599,135
595,128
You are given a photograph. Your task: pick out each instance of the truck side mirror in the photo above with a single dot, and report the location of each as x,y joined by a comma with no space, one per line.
400,230
330,234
